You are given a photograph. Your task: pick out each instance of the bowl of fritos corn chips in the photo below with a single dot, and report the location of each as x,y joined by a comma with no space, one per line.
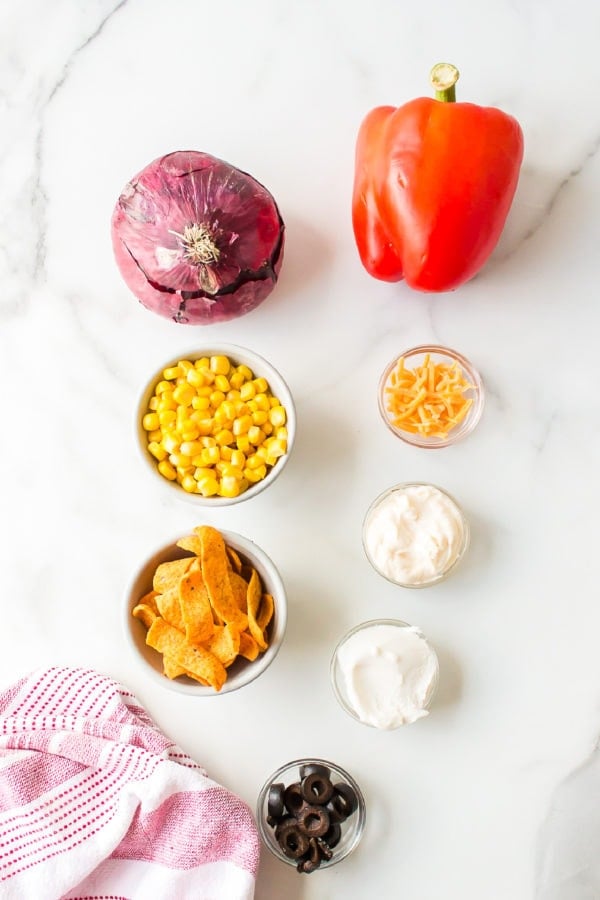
206,614
216,425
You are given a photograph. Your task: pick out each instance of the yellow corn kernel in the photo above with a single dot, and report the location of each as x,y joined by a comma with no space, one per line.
205,427
226,453
256,435
205,391
228,407
238,458
267,428
220,365
209,377
153,403
172,372
167,401
186,366
216,398
180,460
208,441
254,475
222,418
241,425
202,363
229,486
281,433
274,401
200,403
261,385
166,470
275,447
277,416
184,394
262,453
162,386
191,448
150,421
262,401
246,372
243,443
190,435
157,451
227,470
260,417
189,484
167,416
203,472
208,486
195,378
184,423
233,397
171,443
210,456
236,380
252,406
224,437
222,383
155,435
254,461
247,391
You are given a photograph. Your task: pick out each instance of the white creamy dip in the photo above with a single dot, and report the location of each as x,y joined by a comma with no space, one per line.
414,534
388,674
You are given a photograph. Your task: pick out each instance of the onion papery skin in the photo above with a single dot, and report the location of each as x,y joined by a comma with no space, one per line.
196,239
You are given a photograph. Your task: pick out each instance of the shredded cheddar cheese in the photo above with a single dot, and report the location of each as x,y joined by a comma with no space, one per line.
428,400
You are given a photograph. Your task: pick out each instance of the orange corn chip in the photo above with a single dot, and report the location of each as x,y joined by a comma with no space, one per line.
225,644
239,589
265,614
190,542
172,669
169,607
254,599
197,662
168,574
145,613
196,611
216,577
236,563
150,600
248,646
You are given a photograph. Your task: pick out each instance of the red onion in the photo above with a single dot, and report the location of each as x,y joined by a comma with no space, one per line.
197,240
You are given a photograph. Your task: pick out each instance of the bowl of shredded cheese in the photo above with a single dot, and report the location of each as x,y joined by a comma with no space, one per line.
431,396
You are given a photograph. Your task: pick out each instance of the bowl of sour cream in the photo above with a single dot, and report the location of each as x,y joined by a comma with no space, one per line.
415,534
385,673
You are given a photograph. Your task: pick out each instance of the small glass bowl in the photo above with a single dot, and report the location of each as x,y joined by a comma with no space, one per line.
337,677
440,576
352,827
415,357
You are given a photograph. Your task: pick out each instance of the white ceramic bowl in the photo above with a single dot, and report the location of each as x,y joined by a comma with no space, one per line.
261,368
243,671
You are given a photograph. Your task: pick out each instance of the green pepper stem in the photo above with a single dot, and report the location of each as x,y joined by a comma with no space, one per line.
443,77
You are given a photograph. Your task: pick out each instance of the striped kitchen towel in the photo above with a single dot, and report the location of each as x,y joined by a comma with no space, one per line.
97,804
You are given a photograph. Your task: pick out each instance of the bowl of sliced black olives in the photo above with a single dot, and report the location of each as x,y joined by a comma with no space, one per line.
311,814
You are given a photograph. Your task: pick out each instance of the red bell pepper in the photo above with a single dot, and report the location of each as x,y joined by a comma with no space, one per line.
433,186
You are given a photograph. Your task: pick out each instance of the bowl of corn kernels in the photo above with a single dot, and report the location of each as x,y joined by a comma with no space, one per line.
216,425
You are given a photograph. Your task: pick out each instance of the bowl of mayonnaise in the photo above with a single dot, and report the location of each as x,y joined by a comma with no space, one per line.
384,673
415,534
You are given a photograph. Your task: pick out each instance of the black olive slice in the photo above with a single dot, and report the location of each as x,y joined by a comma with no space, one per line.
313,820
316,788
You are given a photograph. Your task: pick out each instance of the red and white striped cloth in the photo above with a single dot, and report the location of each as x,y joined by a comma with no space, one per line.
97,804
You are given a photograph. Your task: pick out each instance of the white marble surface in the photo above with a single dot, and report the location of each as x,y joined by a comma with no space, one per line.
491,796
